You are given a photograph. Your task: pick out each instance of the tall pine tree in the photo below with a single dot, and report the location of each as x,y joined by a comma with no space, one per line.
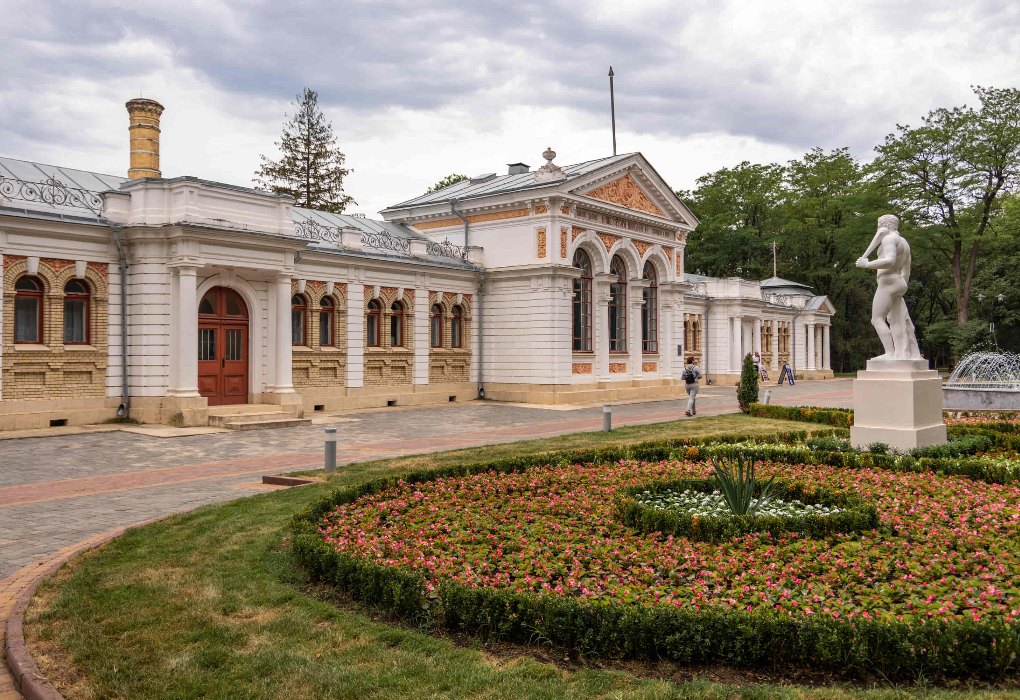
311,169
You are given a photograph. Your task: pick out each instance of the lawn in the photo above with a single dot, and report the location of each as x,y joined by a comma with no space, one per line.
209,604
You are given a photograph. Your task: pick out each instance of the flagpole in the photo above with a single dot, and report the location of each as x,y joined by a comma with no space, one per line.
612,107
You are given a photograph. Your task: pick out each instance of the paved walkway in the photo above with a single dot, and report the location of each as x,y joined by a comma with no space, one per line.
57,491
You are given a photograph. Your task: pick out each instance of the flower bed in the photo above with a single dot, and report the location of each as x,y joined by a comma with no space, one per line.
539,554
695,510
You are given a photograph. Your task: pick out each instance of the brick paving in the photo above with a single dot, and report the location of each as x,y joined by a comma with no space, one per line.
59,493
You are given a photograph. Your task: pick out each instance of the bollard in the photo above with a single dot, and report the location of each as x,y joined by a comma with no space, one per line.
607,417
768,395
331,450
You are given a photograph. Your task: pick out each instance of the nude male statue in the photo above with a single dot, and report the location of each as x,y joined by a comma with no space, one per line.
889,311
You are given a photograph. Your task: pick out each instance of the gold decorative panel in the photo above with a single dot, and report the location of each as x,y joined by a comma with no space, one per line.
625,192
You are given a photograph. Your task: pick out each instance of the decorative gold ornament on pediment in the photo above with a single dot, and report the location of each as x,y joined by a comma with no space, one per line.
625,192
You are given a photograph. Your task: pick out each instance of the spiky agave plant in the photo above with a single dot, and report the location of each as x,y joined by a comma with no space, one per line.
738,486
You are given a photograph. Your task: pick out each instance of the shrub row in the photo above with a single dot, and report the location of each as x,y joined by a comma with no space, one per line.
1003,440
855,514
993,472
960,648
840,417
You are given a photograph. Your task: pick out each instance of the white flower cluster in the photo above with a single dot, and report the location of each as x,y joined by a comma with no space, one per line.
705,504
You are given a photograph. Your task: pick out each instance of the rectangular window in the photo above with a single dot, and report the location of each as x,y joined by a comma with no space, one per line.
617,318
396,331
649,329
437,332
582,315
26,317
235,349
325,328
297,327
74,321
206,344
373,329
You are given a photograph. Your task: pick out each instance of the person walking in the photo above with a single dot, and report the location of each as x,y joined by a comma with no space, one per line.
691,376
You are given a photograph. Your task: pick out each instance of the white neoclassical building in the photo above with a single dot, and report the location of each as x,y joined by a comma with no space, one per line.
185,301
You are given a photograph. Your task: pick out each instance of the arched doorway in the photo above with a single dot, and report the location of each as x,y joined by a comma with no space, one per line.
223,347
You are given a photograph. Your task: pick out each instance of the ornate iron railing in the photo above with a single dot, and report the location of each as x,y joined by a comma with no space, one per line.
445,249
314,231
386,243
780,299
51,191
379,240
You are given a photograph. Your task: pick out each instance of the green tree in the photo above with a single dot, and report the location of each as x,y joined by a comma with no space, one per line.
446,182
950,175
747,392
311,167
739,210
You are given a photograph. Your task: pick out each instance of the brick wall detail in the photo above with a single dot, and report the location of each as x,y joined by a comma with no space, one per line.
312,365
51,370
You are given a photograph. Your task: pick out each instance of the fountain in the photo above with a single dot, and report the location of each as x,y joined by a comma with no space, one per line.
984,381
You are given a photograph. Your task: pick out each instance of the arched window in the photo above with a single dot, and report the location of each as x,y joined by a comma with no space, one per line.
582,303
76,313
372,323
28,310
650,311
298,319
618,305
436,327
396,324
455,339
326,322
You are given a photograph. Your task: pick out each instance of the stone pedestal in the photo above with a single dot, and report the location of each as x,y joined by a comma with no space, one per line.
898,402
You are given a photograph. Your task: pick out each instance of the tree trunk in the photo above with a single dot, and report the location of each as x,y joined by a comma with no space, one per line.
961,299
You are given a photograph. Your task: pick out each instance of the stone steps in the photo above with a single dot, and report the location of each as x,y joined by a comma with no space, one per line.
265,424
253,417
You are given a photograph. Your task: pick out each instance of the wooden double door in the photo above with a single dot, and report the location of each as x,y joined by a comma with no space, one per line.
223,347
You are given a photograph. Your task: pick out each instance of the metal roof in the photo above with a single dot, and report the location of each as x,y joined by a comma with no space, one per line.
14,194
780,282
364,225
464,189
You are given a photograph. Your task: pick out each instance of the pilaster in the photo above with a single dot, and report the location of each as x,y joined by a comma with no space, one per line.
184,336
421,336
355,335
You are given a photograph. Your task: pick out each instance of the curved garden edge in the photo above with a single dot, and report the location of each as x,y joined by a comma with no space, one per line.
28,679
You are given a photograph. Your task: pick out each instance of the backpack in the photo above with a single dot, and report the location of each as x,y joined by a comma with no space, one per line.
688,376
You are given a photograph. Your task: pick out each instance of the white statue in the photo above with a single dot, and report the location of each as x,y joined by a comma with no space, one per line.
889,310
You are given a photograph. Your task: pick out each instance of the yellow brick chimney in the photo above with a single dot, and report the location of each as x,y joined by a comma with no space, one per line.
143,126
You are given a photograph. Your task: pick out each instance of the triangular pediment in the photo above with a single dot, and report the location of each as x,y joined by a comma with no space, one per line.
625,192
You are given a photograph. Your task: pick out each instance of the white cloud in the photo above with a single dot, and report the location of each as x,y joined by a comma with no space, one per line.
416,92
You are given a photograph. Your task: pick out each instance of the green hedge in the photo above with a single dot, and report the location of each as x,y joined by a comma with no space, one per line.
1003,440
963,648
855,514
840,417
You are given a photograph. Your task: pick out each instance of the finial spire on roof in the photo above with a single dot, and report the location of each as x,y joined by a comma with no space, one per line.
550,171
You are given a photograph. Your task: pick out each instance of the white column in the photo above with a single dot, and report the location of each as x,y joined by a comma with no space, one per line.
826,360
421,336
185,345
600,323
810,349
775,345
735,340
634,342
284,341
355,335
757,336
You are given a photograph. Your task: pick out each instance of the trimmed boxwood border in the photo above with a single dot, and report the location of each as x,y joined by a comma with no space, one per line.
952,648
839,417
856,515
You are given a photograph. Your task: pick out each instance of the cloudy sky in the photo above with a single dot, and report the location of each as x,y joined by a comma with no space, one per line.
419,90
